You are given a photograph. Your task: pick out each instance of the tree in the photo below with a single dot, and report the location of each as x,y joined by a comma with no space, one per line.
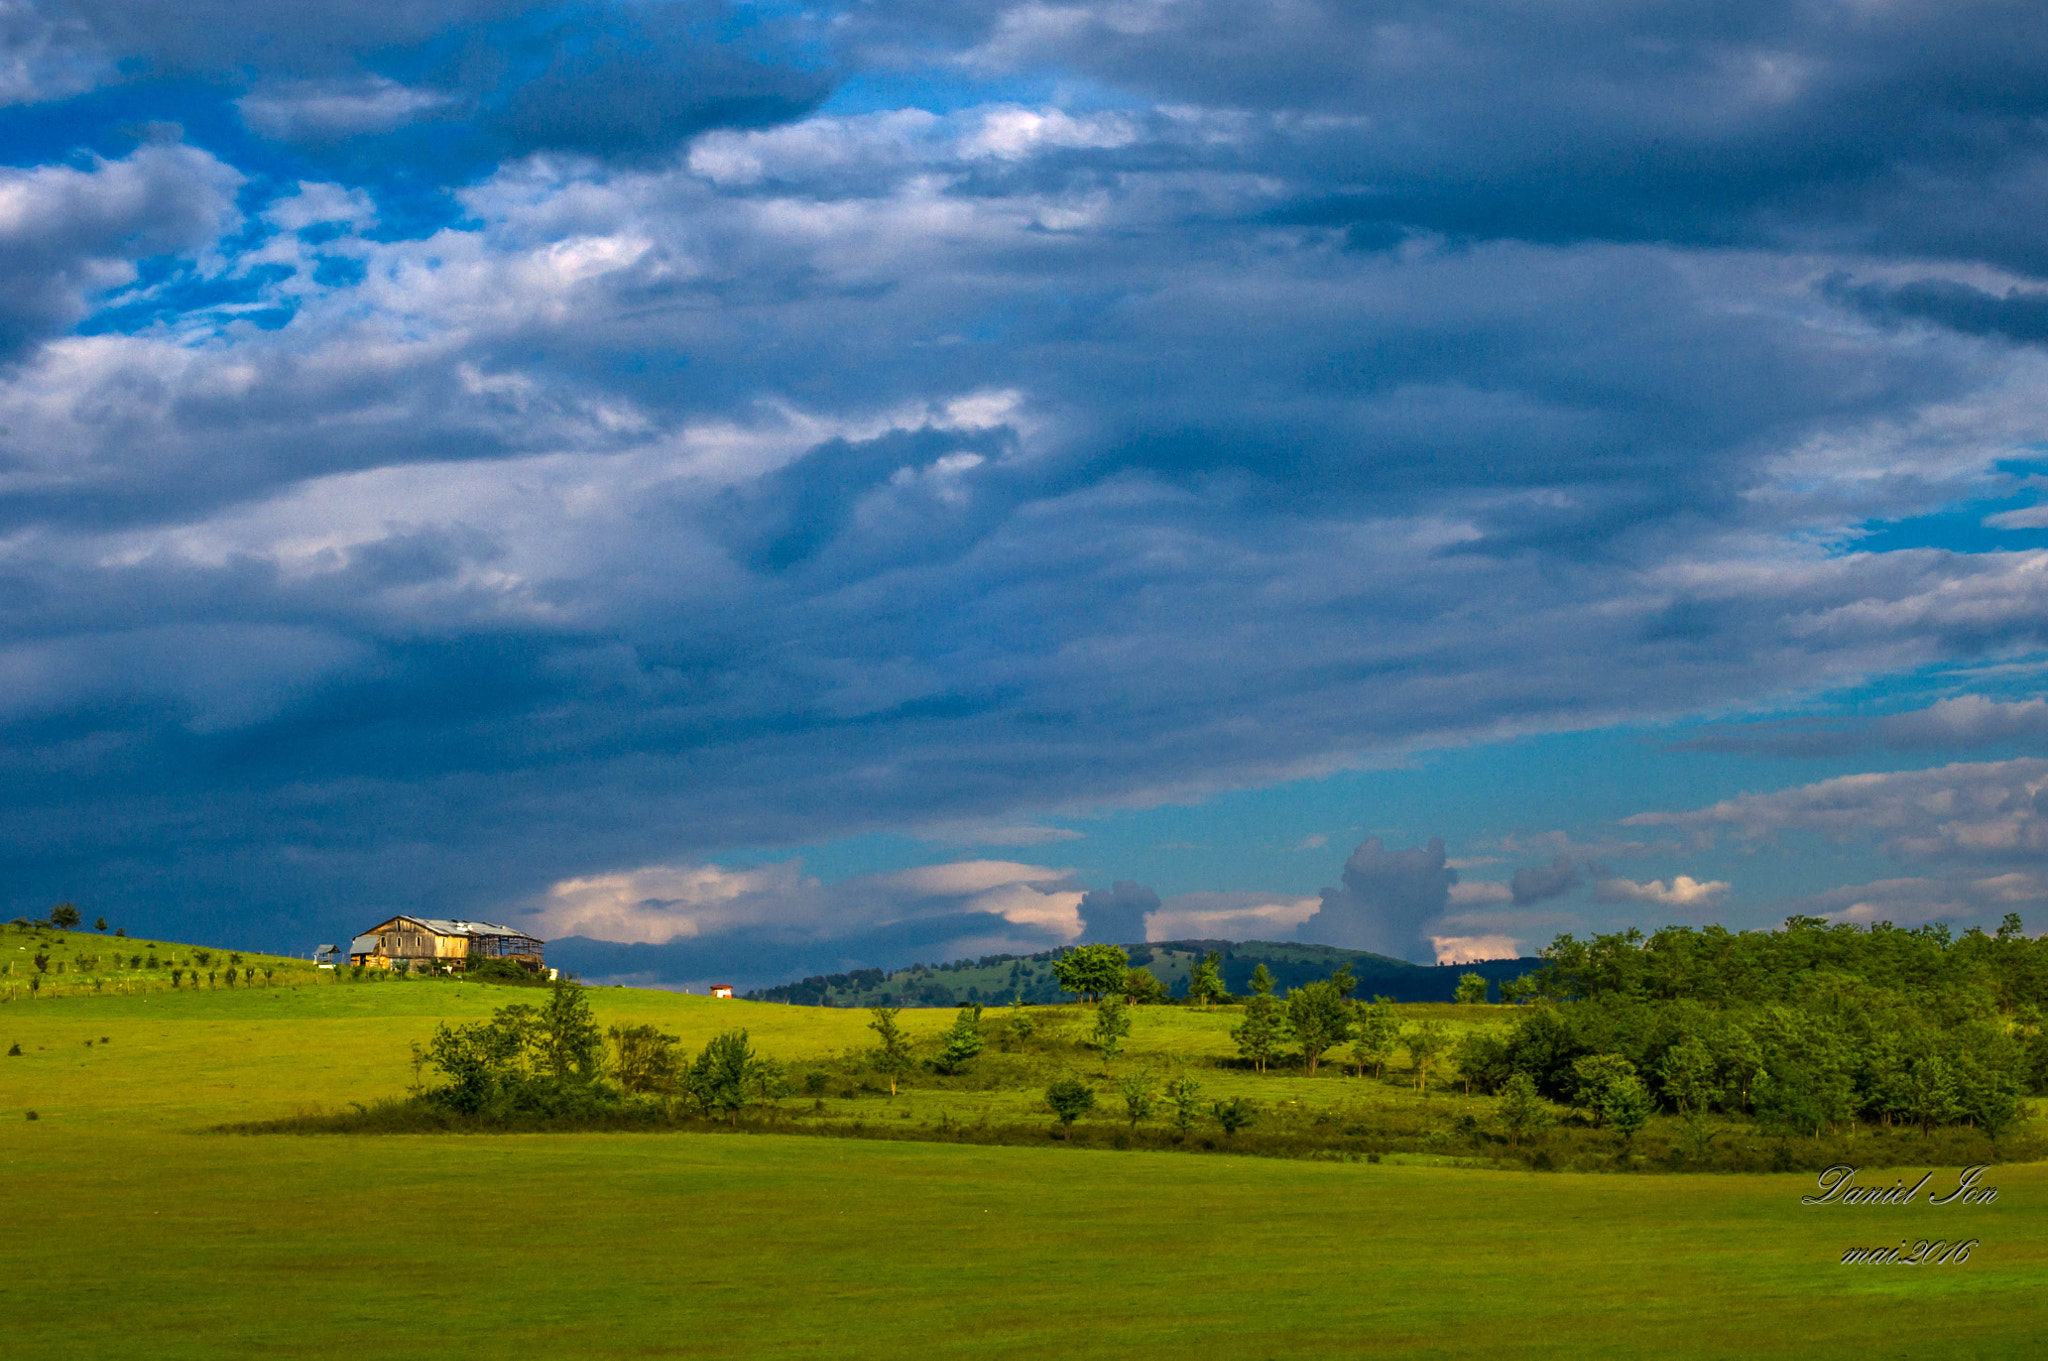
892,1056
1185,1096
1319,1019
1627,1106
1522,1109
1112,1025
1378,1033
1344,982
1070,1099
1262,1030
99,924
1598,1082
718,1079
1426,1040
570,1045
962,1042
1262,980
644,1059
1234,1115
1471,988
1018,1028
1092,971
64,916
1515,991
1205,980
1137,1090
1142,987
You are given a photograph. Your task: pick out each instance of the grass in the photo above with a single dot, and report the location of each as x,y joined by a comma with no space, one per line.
131,1229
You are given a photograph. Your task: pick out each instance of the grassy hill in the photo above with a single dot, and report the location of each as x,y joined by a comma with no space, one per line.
994,979
42,963
135,1229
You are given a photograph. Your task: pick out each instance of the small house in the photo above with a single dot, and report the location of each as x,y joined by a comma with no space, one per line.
327,956
721,989
447,944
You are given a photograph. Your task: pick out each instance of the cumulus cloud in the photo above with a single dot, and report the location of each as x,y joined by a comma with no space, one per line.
1229,916
1474,949
1118,914
1385,899
67,234
708,918
1539,883
1682,891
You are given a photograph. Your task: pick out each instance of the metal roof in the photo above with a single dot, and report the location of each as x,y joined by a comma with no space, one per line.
447,926
365,945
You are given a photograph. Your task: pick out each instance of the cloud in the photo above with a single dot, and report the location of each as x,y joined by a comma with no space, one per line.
1986,812
1920,900
1957,723
1228,916
327,109
1538,883
1471,892
67,234
1119,913
691,921
1385,899
1475,949
1682,891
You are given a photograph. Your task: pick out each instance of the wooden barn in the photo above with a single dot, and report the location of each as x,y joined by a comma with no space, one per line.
431,942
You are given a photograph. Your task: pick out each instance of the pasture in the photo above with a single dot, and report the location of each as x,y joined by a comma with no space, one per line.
133,1229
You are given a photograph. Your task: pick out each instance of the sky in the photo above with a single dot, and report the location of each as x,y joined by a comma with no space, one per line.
750,490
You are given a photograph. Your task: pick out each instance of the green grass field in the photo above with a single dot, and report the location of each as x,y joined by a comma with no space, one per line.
132,1229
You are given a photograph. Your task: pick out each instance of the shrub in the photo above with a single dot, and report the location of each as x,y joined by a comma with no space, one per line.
1070,1099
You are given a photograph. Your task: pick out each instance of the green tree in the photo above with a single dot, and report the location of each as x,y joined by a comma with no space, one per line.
892,1056
1260,1034
1184,1094
1515,991
99,924
1262,981
1018,1027
1598,1082
1142,987
1627,1106
1070,1099
1344,982
961,1042
64,916
717,1081
1471,988
570,1045
1137,1090
1205,980
1379,1031
1112,1026
644,1060
1320,1021
1092,971
1523,1111
1234,1115
1426,1042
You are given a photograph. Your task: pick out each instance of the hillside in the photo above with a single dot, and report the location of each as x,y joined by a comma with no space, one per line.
994,979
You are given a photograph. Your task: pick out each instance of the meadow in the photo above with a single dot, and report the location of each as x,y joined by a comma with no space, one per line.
134,1227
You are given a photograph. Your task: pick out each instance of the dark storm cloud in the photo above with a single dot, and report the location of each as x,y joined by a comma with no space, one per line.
1911,128
449,86
2014,315
1387,899
1116,915
1540,883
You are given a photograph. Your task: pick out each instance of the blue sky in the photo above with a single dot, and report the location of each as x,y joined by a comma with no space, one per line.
747,489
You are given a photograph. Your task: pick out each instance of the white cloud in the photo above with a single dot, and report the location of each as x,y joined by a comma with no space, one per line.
1228,916
1473,949
317,110
1472,892
1682,891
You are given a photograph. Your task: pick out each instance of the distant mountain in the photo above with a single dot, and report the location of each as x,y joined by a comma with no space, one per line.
994,980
